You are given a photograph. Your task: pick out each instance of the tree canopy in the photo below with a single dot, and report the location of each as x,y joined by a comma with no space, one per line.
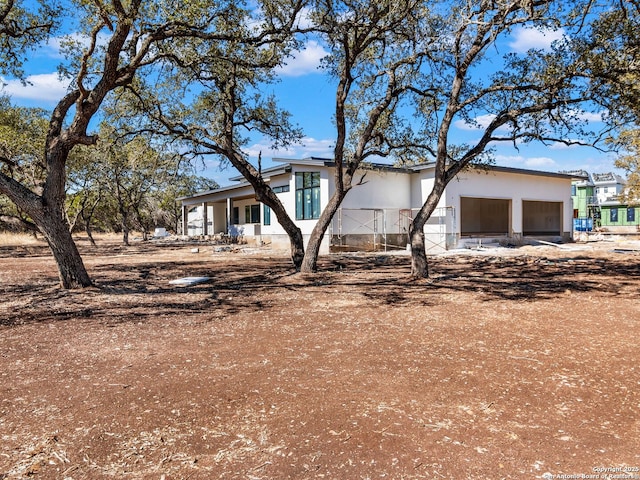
122,44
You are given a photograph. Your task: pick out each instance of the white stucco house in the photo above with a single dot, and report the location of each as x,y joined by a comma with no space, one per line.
492,204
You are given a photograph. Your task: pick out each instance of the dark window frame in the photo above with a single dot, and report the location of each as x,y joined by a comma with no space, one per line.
631,214
613,215
307,195
266,212
252,213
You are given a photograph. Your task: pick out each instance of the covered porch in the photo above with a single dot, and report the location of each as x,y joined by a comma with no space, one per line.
228,214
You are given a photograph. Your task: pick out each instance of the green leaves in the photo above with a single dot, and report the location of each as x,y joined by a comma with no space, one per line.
22,137
23,24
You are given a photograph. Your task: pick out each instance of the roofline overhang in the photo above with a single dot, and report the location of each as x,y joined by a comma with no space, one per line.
269,172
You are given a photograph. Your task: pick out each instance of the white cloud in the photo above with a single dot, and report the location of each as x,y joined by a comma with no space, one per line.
591,116
509,159
539,162
528,162
526,38
563,146
482,122
309,147
47,87
304,61
304,18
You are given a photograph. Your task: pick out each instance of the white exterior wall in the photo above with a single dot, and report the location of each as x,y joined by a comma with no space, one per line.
613,190
514,186
380,190
219,216
244,227
275,232
196,220
391,190
287,199
422,185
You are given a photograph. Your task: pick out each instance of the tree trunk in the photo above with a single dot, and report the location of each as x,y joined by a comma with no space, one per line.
419,264
71,269
264,194
310,260
87,229
86,218
297,248
47,213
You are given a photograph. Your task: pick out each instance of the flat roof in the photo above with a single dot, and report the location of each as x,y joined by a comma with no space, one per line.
287,164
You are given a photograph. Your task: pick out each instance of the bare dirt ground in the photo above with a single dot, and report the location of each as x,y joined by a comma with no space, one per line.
508,363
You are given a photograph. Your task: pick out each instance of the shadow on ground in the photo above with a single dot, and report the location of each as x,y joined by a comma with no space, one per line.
127,290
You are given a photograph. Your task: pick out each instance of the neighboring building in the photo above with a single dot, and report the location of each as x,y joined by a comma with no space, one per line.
492,204
597,207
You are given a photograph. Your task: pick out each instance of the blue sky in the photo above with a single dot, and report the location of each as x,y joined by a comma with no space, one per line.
309,95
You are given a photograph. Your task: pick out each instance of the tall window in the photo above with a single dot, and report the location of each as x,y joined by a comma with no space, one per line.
266,214
631,214
252,214
307,195
235,216
613,215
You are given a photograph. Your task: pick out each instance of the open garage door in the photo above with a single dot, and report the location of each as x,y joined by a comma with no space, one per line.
485,216
541,218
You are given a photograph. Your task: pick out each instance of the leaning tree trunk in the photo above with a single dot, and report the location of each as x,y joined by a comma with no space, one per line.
297,247
87,229
419,264
296,241
264,194
71,269
47,213
310,260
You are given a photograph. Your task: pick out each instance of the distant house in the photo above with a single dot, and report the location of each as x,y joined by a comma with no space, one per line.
597,205
493,204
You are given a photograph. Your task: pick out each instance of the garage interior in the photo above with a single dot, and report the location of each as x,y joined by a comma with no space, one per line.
485,216
541,218
482,217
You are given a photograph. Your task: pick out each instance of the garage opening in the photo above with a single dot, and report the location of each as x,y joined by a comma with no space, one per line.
485,216
541,218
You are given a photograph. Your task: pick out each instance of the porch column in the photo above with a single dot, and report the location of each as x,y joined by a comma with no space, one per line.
205,220
185,220
229,214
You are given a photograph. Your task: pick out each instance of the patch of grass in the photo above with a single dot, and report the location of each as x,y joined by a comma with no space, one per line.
19,239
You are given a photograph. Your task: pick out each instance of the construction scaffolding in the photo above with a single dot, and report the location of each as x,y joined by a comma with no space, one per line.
381,229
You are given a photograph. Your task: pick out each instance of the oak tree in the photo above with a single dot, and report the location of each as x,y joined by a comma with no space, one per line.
121,41
540,95
210,97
